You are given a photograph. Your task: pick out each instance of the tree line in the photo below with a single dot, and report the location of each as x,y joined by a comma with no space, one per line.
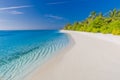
98,23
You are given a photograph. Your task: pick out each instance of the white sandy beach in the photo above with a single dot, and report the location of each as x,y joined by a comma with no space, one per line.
92,57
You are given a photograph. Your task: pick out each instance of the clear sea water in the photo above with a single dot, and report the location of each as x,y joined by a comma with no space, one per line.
23,51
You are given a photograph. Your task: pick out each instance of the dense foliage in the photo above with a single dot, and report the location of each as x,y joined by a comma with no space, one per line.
98,23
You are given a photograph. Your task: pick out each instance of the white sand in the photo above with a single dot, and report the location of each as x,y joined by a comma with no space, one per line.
92,57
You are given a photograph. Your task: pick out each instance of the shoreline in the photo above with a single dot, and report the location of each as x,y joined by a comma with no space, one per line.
92,57
50,62
105,37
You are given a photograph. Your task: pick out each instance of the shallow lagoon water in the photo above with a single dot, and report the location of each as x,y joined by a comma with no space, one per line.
23,51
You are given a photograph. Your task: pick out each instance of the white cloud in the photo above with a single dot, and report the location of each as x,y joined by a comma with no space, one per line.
54,17
12,10
54,3
13,7
15,12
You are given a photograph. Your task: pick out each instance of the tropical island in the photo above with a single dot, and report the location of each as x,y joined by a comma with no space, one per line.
108,23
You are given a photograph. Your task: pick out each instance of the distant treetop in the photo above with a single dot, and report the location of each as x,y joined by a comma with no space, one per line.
98,23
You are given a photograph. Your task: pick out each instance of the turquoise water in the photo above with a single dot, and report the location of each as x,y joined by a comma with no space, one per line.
23,51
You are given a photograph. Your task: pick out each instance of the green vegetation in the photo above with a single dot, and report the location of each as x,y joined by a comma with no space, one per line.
98,23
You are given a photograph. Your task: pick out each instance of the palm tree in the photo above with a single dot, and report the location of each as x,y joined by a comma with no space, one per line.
93,15
68,26
100,14
113,13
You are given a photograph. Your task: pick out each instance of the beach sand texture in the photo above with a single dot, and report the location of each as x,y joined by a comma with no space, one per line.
91,57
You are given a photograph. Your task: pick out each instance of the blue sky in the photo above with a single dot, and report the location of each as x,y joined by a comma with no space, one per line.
49,14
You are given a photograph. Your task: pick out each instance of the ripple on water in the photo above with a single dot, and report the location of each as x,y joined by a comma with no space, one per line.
17,66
